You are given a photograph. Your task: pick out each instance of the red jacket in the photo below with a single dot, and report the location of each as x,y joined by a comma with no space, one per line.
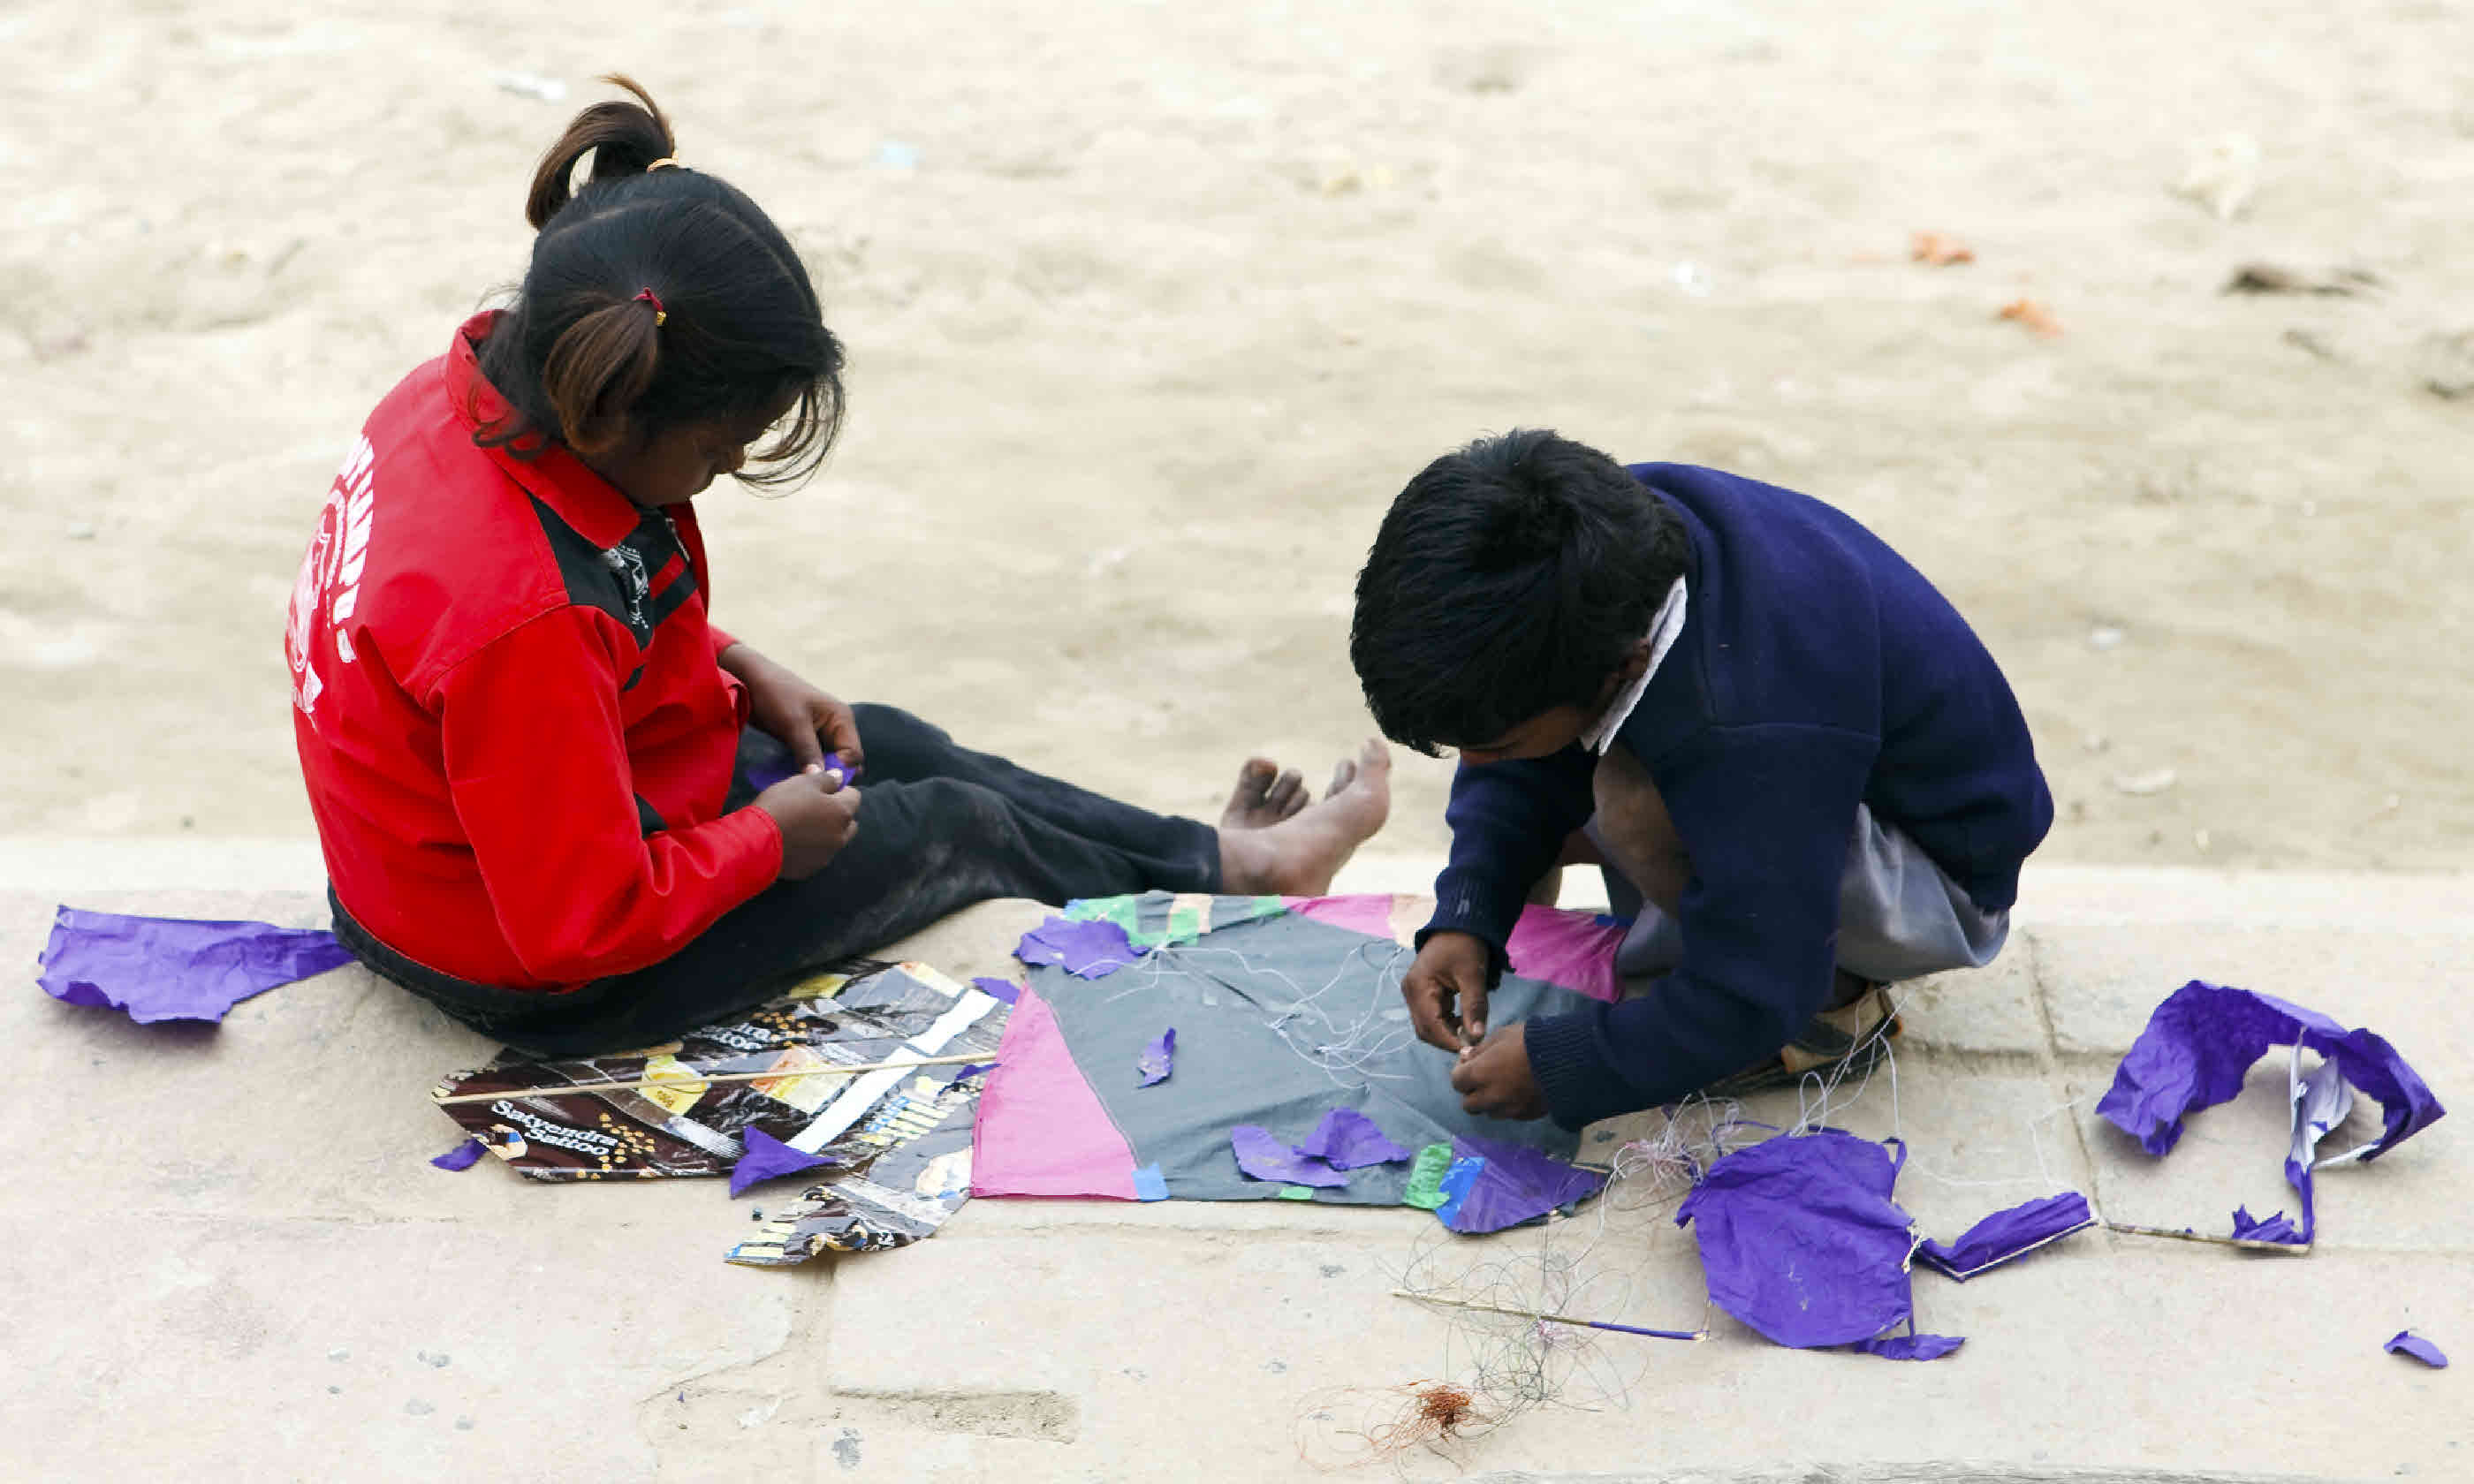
516,737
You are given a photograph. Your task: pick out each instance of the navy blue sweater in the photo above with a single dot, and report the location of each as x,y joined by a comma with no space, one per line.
1816,669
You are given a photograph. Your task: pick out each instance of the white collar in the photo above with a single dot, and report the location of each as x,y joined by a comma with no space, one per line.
1664,626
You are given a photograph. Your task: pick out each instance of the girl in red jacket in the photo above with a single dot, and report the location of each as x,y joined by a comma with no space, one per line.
535,763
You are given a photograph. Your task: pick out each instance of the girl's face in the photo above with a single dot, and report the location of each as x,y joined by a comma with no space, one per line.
678,463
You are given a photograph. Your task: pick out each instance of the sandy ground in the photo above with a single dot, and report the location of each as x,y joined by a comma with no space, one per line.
1152,307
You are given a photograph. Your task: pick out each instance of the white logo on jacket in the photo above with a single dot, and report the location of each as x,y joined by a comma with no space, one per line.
329,582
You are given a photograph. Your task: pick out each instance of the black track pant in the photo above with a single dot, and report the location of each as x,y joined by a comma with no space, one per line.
939,827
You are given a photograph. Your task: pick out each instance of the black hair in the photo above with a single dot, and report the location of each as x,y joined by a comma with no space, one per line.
1509,578
656,297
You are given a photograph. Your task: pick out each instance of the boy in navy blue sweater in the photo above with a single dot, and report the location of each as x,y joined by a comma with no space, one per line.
1802,772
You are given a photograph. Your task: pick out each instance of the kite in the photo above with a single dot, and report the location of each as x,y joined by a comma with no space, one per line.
1296,1074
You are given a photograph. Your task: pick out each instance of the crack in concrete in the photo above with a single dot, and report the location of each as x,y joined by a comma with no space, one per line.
1043,1416
2056,1066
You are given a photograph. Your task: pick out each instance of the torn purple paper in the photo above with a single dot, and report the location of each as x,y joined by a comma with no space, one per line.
460,1157
2204,1038
1091,949
768,1158
2201,1043
1801,1240
1158,1059
1265,1158
2405,1342
1512,1183
1347,1139
1911,1347
2279,1229
2009,1233
763,774
174,968
1003,990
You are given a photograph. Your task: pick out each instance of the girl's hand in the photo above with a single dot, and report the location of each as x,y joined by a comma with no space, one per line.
804,720
817,817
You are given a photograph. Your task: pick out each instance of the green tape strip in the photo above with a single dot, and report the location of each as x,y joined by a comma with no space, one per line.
1295,1193
1425,1189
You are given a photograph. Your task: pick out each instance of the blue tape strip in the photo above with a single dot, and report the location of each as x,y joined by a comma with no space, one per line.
1455,1187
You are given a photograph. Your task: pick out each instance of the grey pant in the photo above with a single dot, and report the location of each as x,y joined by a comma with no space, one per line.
1899,916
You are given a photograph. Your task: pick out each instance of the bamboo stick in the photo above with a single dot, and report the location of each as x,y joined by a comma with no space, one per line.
2246,1244
689,1078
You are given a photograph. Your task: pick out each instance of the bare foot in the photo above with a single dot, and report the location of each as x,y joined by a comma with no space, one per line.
1263,795
1298,855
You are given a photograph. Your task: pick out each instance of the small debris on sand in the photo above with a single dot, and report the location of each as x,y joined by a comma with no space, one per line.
2031,314
2278,279
2223,176
2445,364
2140,785
1938,250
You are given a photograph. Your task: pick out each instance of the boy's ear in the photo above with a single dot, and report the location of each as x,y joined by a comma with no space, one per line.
1635,662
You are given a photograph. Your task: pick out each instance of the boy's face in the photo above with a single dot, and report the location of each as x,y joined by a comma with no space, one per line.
1541,735
1557,728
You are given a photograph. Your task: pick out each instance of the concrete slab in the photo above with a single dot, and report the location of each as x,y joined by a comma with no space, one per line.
2102,982
1989,1014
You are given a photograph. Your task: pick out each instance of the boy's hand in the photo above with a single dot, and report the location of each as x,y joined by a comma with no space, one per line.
818,816
795,713
1445,990
1493,1077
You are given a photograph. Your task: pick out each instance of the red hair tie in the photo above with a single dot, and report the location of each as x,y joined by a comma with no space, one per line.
661,316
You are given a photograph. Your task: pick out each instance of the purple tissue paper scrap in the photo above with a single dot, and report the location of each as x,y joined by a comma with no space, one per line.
2405,1342
2201,1040
460,1157
769,1158
1265,1158
1801,1240
2279,1228
1912,1347
2009,1233
1347,1139
765,775
1004,990
1092,949
174,968
1512,1185
1158,1059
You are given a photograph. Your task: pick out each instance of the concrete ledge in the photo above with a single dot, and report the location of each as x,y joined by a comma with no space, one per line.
235,1263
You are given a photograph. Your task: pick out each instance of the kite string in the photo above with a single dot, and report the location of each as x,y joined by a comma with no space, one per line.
1345,1046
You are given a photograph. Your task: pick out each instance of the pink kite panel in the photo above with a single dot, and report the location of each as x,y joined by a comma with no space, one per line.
1041,1129
1571,948
1369,914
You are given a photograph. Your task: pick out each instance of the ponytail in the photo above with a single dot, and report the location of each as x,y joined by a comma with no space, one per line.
623,140
597,369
